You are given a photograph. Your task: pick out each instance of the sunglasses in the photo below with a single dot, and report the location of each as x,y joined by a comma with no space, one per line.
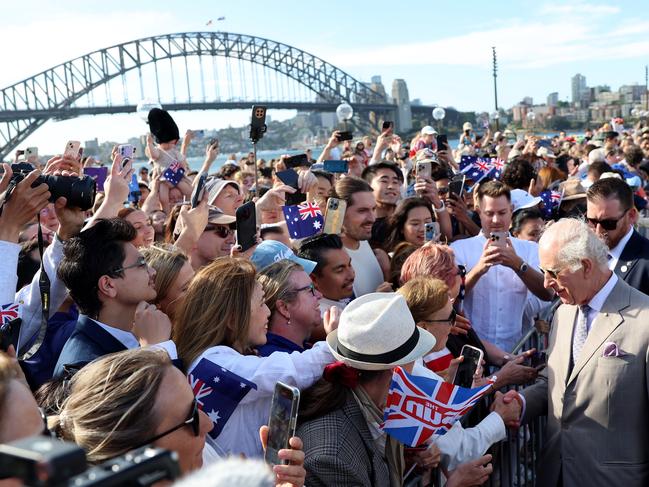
192,420
220,230
607,224
450,320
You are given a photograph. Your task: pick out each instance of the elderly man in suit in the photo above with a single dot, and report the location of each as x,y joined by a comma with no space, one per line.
611,214
595,387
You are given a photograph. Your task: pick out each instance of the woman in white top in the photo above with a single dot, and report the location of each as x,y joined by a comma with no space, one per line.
222,317
432,309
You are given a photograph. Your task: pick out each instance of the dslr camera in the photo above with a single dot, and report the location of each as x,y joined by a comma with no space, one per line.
79,192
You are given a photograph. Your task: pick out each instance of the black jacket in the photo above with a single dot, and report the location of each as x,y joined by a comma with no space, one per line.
633,264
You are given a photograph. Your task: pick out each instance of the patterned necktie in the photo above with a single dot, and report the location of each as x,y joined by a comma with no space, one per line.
581,332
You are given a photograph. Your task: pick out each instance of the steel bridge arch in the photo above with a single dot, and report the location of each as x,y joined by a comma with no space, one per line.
59,87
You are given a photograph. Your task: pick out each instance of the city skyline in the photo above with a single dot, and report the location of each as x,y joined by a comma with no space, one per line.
444,56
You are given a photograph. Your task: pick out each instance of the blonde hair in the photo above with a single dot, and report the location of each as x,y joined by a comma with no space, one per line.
109,409
167,261
216,309
424,295
9,370
275,281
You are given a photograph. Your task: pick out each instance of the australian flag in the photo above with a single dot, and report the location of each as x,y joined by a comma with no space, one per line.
479,168
9,313
551,202
420,407
218,392
303,220
174,173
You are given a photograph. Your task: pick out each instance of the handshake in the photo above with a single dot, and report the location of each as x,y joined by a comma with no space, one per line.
509,406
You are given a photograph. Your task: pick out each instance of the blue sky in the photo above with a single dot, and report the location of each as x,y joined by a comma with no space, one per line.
442,48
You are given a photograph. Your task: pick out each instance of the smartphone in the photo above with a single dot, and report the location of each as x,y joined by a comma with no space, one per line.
297,161
127,151
336,167
544,143
456,185
246,226
424,169
348,135
498,239
199,190
198,133
387,125
257,123
134,190
282,421
467,368
213,142
290,178
334,216
99,174
72,149
432,232
538,359
31,152
442,142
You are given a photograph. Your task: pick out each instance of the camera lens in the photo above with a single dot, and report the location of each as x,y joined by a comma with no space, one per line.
79,192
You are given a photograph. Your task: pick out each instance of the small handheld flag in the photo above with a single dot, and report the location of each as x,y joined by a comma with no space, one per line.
174,173
9,313
303,220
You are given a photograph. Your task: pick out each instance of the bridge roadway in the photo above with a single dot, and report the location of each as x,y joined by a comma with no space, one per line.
72,112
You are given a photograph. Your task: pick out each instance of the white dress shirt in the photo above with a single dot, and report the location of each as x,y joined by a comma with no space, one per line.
460,445
616,251
326,303
8,271
597,302
369,275
300,369
129,340
496,303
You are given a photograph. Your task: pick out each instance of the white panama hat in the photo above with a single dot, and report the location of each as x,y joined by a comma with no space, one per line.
377,332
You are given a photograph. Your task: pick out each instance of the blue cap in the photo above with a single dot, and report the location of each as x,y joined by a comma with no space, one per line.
270,251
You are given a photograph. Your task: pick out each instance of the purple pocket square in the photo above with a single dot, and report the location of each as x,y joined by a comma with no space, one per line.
612,350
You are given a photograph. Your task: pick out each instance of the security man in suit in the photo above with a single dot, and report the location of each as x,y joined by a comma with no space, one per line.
611,214
594,389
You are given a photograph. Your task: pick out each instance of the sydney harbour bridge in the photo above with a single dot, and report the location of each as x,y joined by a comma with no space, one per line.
191,71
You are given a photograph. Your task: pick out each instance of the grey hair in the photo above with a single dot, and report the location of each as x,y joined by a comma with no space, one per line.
231,472
575,241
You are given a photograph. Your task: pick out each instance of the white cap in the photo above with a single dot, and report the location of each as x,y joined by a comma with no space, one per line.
428,130
522,199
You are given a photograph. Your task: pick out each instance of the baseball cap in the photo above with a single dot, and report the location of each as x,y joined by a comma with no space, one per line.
217,217
215,186
428,130
270,251
545,152
467,126
522,199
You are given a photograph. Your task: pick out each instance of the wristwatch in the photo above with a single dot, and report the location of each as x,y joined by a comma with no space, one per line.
523,267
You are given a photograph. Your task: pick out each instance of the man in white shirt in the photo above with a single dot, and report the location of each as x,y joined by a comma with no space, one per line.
110,282
611,213
500,274
333,275
369,265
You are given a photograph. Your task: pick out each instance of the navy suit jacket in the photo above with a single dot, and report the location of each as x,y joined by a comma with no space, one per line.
87,342
633,264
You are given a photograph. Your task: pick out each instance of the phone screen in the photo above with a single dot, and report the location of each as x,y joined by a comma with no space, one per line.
197,194
387,125
281,424
468,367
345,136
442,142
297,161
340,167
457,186
246,226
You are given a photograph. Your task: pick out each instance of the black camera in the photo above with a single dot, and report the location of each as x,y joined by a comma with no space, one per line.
79,192
48,462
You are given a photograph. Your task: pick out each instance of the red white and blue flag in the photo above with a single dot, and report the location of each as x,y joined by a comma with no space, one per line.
174,173
9,313
479,168
218,392
419,407
551,202
303,220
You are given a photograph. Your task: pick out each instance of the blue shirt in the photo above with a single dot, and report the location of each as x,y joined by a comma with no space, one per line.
277,343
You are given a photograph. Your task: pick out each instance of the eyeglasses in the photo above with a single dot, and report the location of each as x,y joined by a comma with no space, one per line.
442,190
607,224
552,273
140,262
310,287
450,320
220,230
192,420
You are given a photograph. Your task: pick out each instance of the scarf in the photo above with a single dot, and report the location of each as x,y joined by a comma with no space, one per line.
391,449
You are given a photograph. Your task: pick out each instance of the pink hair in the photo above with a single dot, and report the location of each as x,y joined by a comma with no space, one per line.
434,260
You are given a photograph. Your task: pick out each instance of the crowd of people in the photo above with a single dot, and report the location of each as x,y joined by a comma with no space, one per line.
144,321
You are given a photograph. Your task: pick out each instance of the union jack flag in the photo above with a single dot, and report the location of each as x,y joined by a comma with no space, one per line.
419,407
303,220
218,392
479,168
9,312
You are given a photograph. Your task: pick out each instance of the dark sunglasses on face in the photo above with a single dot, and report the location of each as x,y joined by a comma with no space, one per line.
220,230
192,420
607,224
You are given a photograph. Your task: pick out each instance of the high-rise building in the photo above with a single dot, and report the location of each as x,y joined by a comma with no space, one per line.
579,87
401,98
553,99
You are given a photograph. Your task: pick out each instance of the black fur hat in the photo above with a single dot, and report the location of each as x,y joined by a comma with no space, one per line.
162,126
